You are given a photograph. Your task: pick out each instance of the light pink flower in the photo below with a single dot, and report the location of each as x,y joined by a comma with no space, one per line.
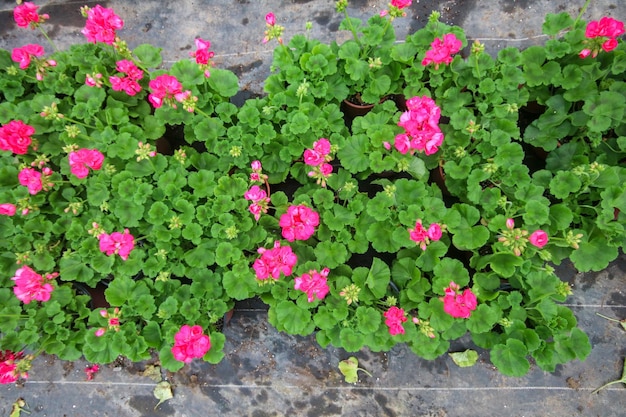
100,332
442,49
26,14
30,286
313,283
434,232
394,317
24,54
15,136
7,209
298,223
101,25
538,238
190,342
456,304
31,178
273,262
117,243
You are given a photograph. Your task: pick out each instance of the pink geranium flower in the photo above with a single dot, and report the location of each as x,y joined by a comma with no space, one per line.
26,14
602,35
30,286
298,223
165,88
260,201
83,159
15,136
538,238
313,283
117,243
13,365
24,54
457,304
31,178
422,236
101,25
394,317
442,49
273,262
401,4
190,342
421,127
202,55
7,209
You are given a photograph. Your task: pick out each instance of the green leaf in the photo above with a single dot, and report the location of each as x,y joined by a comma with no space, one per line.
216,353
162,392
349,369
593,255
351,340
368,319
119,290
483,318
555,23
331,254
354,154
224,82
378,278
464,359
291,318
510,358
564,183
150,56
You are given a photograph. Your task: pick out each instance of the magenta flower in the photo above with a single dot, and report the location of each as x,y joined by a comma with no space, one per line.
31,178
13,365
202,55
7,209
298,223
165,88
401,4
81,160
101,25
538,238
190,342
456,304
394,317
421,125
313,283
273,262
26,14
602,35
30,286
117,243
441,50
423,236
15,136
270,19
24,54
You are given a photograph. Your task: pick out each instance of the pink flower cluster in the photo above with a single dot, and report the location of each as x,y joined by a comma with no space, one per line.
202,55
421,125
13,366
15,136
117,243
423,236
298,223
83,159
272,31
166,88
7,209
101,25
313,283
190,342
129,83
603,35
538,238
34,180
26,14
442,49
260,201
401,4
457,304
90,371
318,158
274,261
394,317
113,321
29,52
30,286
257,172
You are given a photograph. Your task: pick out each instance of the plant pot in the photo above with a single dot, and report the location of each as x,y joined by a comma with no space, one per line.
438,176
98,300
352,110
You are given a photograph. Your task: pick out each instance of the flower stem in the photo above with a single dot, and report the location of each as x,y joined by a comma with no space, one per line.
582,11
78,123
45,35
